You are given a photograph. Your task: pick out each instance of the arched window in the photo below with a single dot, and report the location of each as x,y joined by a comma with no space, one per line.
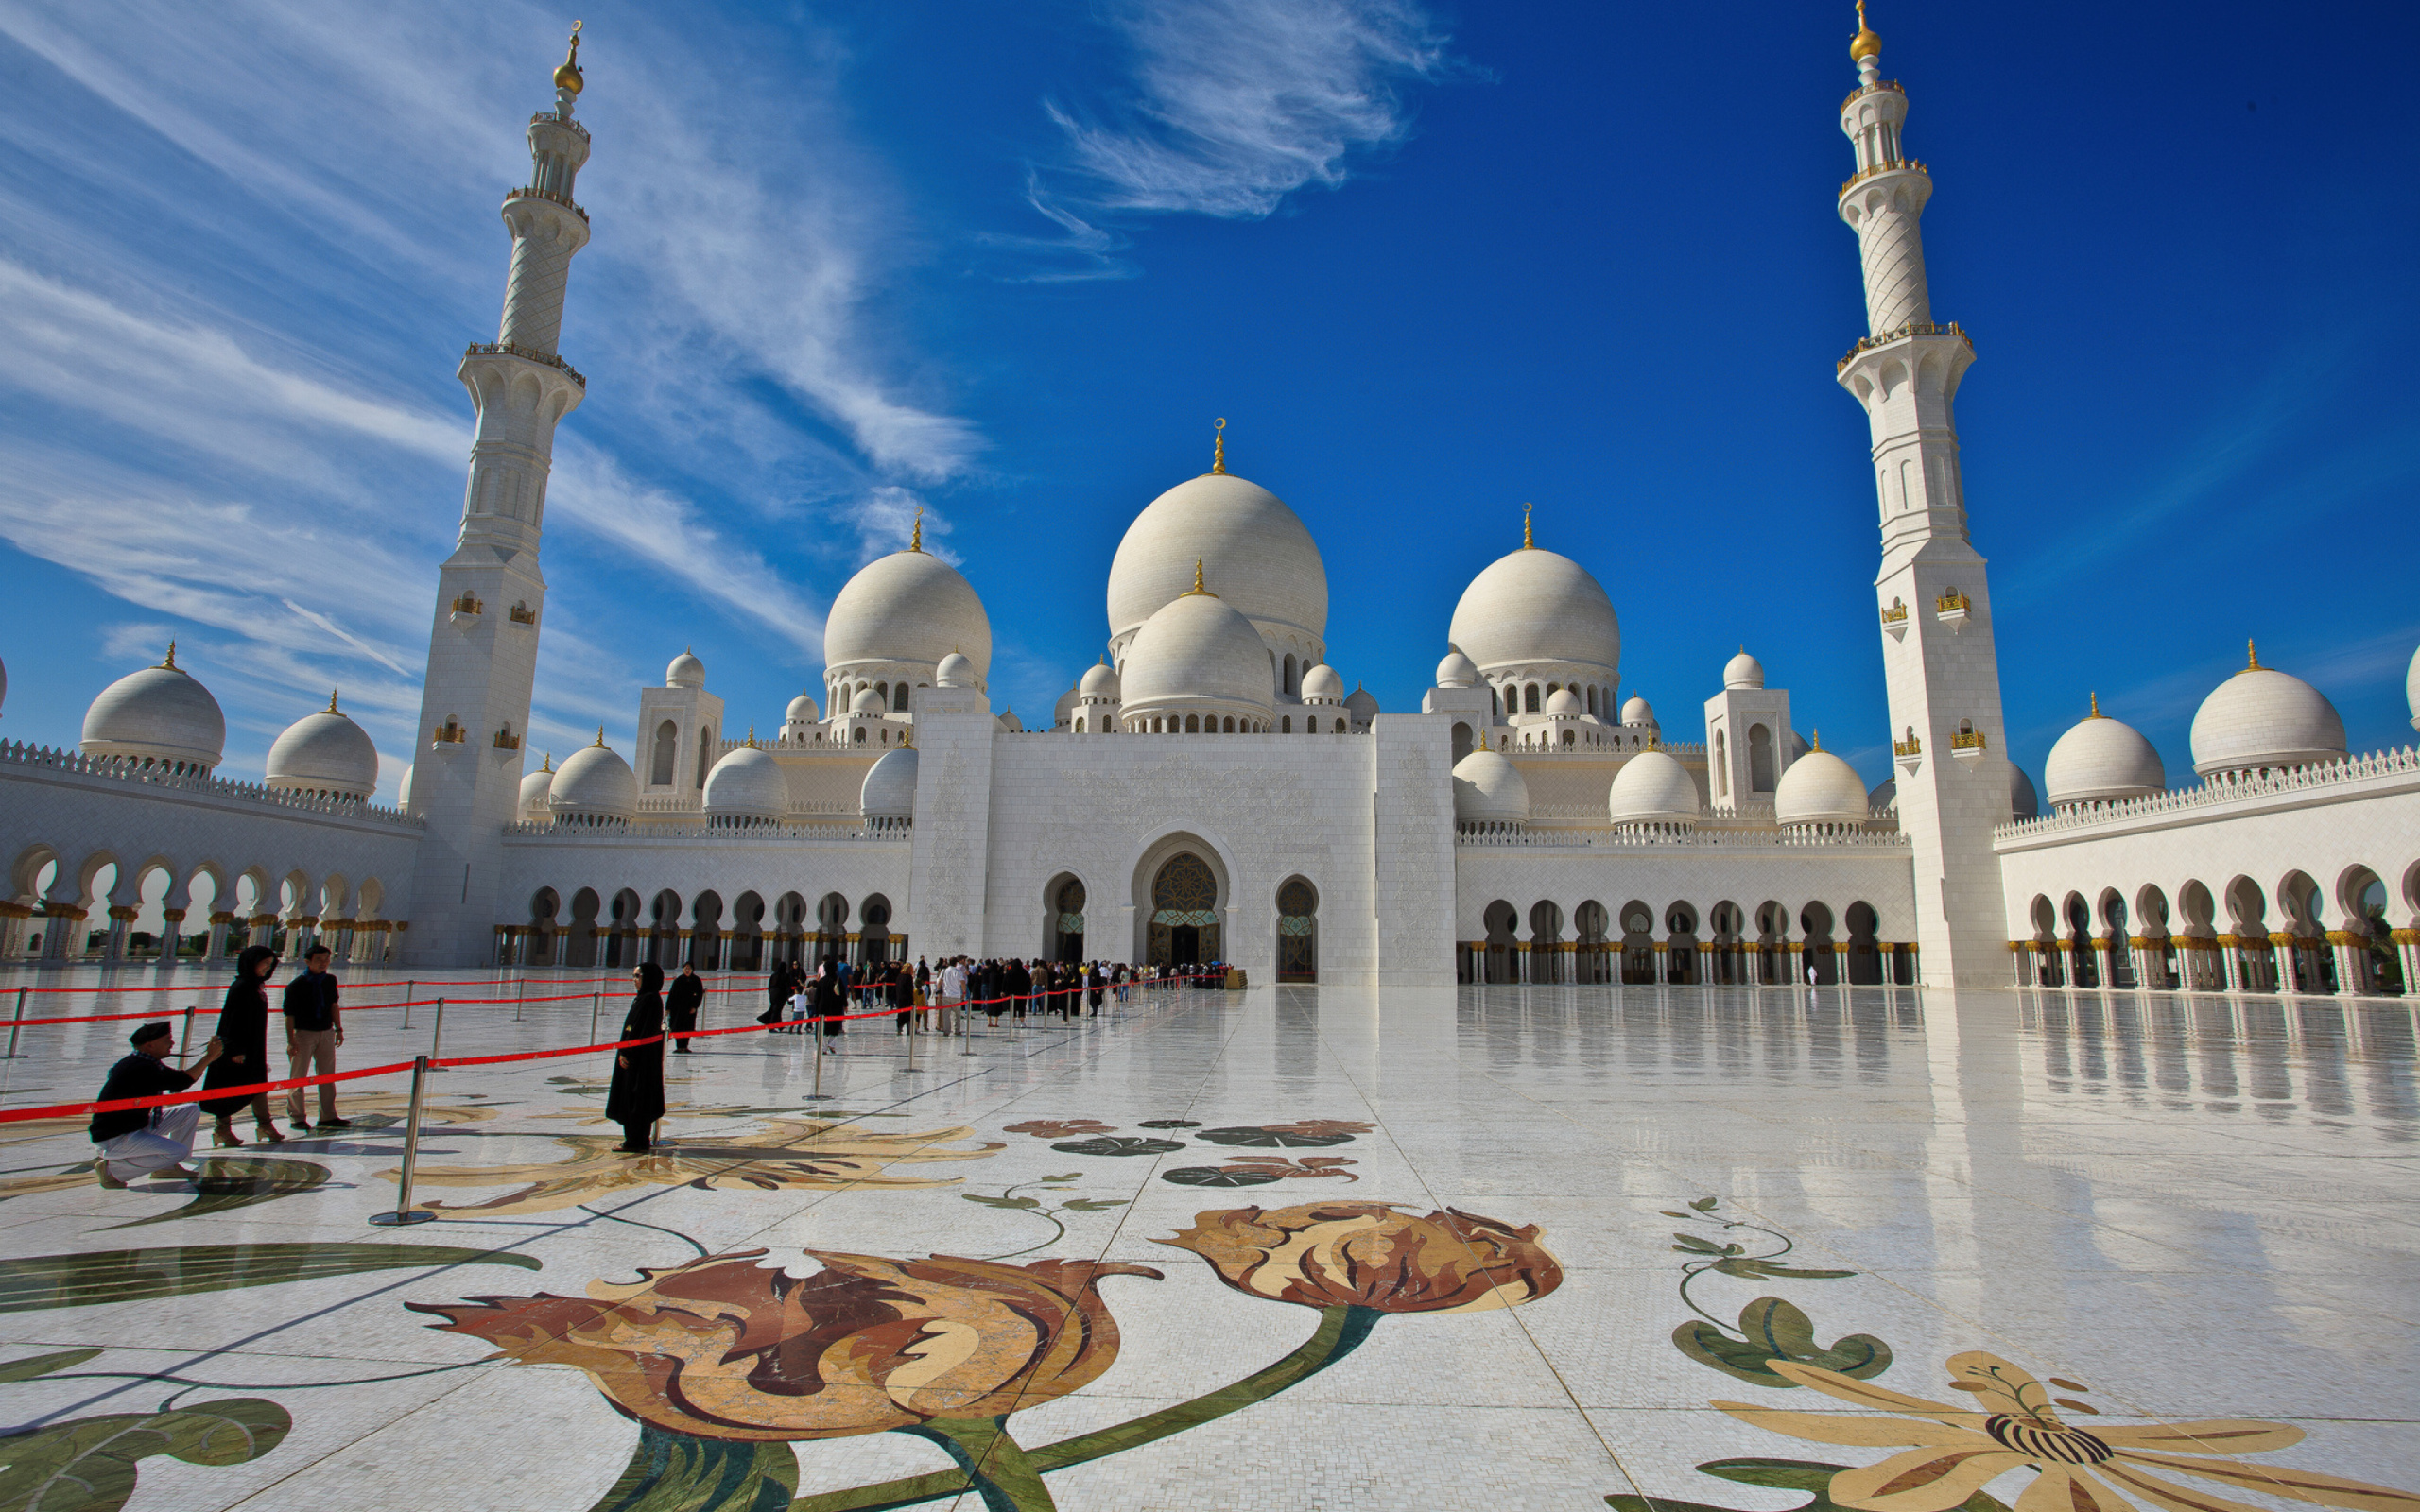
1569,738
705,754
899,698
861,734
1079,724
882,691
1298,906
1193,724
1592,700
1286,726
1231,725
1290,685
1760,759
1494,703
1721,765
1339,727
667,754
1529,699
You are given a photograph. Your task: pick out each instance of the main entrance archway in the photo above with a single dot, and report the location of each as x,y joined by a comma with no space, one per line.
1185,913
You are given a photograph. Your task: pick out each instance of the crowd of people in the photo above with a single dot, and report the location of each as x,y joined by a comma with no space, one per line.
925,998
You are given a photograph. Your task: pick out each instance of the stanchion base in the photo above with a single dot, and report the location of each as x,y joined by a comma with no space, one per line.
390,1220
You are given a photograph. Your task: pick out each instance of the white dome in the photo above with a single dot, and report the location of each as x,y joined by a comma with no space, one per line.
1886,794
747,784
159,715
1361,704
867,702
909,607
1197,650
1563,701
595,786
324,752
403,788
1010,722
1253,551
1652,788
1533,606
1100,682
686,671
1063,712
1820,788
2261,717
890,790
1321,685
1457,671
955,670
804,711
2099,759
1636,711
1744,671
2023,803
1490,789
535,787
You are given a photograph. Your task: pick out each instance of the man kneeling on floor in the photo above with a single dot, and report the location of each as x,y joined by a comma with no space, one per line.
148,1141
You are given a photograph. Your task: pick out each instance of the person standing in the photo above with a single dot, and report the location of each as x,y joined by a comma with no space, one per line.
902,986
689,994
313,1029
634,1098
778,990
243,1030
830,1001
147,1142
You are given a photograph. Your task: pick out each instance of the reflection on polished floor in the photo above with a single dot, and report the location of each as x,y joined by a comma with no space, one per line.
1292,1248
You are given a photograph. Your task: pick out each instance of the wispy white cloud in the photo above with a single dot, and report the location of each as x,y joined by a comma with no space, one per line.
1236,104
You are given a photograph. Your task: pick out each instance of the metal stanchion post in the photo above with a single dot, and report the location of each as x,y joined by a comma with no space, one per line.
405,1213
184,1041
596,1005
438,1039
817,1030
20,1018
911,1043
520,997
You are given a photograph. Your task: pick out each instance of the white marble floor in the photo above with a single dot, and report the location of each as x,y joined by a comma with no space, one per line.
2167,1210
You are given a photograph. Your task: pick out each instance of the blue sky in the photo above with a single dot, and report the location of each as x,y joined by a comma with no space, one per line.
1008,262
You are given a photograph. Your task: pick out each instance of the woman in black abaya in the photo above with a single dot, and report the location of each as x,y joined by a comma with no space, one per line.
243,1029
634,1098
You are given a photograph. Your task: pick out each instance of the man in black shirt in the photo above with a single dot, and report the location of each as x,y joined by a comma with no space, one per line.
314,1028
155,1141
680,1005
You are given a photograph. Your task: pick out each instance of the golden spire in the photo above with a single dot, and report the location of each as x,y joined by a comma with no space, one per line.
751,737
548,764
2095,705
1816,741
1482,737
332,701
2251,652
171,661
600,738
1865,43
1198,585
1528,542
568,76
1219,447
916,540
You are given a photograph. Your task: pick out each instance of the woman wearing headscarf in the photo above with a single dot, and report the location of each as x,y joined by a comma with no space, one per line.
243,1029
830,1001
634,1098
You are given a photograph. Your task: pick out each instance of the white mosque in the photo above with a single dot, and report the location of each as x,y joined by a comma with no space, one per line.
1210,791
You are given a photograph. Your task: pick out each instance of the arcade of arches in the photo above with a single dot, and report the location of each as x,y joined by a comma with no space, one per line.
1639,944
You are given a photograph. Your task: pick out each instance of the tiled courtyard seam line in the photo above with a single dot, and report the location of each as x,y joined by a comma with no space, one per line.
1319,1034
2013,1345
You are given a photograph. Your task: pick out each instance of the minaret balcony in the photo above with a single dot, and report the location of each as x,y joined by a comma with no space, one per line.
1904,166
509,349
1879,86
548,196
1913,328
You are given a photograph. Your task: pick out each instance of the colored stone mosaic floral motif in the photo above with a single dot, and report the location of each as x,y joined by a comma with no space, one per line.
796,1152
89,1464
1258,1170
1770,1328
1060,1128
1366,1254
2012,1424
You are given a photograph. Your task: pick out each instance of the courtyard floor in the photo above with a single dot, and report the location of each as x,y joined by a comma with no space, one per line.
1515,1247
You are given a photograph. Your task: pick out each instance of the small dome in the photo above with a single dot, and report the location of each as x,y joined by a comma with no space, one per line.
747,784
1636,711
1820,788
686,671
1010,722
1563,701
909,607
1321,685
2259,718
403,789
535,787
1198,649
1652,788
1063,712
595,787
1099,683
1255,550
1536,606
157,715
2102,759
1490,789
1744,671
956,670
324,752
1361,705
890,790
1883,797
867,702
1458,671
2022,801
804,710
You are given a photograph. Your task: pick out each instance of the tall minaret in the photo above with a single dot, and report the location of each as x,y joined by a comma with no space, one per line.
1934,603
483,646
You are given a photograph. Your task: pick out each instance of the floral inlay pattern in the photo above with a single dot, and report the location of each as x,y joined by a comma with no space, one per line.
1366,1254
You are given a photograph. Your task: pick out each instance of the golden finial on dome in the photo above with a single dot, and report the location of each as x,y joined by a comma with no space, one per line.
170,661
567,77
332,701
1815,741
2251,653
916,540
1528,542
548,764
751,737
600,739
1865,43
1198,587
1219,447
2096,706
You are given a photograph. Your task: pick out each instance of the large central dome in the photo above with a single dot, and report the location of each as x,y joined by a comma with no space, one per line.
910,607
1534,606
1254,551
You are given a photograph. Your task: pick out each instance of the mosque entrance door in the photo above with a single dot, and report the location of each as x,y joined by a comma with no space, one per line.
1068,923
1185,913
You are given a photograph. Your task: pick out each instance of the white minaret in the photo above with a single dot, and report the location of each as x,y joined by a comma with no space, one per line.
483,648
1934,603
